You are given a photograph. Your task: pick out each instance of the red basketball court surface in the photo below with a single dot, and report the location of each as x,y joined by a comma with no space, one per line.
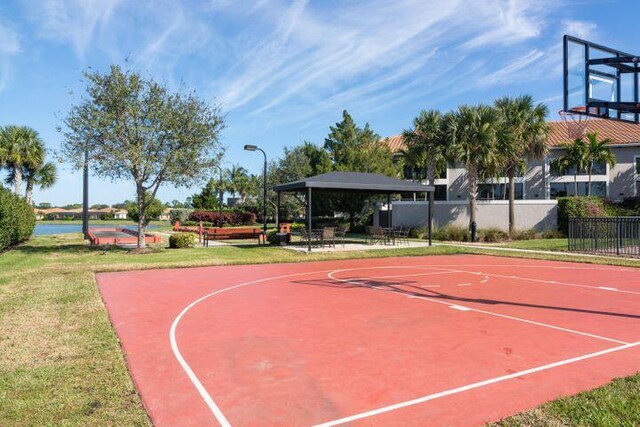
438,340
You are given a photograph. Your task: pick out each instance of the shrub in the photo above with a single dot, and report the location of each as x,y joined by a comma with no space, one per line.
524,234
182,240
17,219
229,218
579,207
271,236
181,215
453,233
107,216
419,232
492,235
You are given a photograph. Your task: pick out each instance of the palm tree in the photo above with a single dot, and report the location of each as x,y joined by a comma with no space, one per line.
598,152
43,177
575,157
524,135
239,181
472,133
21,147
426,143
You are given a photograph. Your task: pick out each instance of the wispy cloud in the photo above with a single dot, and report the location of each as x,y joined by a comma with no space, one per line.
9,46
72,21
581,29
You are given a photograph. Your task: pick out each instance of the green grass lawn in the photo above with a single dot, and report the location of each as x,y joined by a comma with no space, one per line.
61,363
539,244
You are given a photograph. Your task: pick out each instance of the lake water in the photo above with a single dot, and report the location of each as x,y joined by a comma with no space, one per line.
42,229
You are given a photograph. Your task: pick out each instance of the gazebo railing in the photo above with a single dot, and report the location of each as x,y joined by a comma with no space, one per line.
612,236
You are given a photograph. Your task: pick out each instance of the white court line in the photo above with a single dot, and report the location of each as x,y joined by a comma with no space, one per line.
205,394
553,282
490,313
606,288
183,363
474,386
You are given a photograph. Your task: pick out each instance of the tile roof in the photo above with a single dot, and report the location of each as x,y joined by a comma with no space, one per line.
618,132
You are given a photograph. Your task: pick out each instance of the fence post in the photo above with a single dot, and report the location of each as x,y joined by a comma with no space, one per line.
618,223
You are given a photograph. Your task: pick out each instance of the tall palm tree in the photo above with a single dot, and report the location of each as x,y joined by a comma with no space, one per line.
239,181
524,135
426,143
42,177
598,152
575,158
473,134
21,147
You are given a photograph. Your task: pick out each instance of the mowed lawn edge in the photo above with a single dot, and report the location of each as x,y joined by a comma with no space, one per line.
62,363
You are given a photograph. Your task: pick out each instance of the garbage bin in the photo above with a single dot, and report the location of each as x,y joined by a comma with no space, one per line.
282,238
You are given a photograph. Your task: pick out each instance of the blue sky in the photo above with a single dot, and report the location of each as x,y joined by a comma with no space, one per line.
283,71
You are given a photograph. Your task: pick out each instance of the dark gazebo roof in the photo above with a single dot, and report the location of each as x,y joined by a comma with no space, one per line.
355,182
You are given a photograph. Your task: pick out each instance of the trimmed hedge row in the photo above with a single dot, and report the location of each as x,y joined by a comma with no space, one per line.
17,219
229,218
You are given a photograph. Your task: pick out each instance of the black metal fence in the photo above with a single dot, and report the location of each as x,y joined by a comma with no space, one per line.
613,236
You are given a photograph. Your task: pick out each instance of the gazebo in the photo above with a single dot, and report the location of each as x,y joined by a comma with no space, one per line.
353,182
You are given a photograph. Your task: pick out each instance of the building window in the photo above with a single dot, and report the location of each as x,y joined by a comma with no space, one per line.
637,162
564,189
599,168
499,191
440,193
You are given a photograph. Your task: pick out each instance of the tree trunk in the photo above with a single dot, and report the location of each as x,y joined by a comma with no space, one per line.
29,192
431,171
575,185
512,198
142,217
589,183
472,178
17,179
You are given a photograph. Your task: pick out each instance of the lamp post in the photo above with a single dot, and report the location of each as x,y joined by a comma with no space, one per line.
220,196
249,147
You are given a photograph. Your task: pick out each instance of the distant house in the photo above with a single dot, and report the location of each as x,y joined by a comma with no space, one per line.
165,215
60,213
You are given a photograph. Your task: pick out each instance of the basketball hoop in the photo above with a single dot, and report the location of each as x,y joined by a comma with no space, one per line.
576,121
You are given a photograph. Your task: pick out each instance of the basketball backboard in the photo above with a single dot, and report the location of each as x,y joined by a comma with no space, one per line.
600,81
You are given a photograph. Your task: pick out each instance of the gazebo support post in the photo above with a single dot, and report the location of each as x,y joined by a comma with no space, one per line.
278,212
389,218
309,230
431,198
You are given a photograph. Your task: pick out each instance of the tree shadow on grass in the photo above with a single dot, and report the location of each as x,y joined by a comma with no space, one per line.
64,248
418,291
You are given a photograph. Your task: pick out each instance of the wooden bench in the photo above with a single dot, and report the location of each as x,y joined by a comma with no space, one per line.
233,233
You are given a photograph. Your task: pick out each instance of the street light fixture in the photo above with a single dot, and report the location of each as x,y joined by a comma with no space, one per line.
250,147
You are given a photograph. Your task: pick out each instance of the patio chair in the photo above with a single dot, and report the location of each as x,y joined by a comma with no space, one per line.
375,235
328,236
341,233
401,234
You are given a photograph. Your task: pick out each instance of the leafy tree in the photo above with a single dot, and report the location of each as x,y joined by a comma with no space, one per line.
154,208
44,205
20,148
473,134
598,151
356,149
177,204
575,157
99,206
297,163
523,135
121,205
208,198
426,144
135,128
